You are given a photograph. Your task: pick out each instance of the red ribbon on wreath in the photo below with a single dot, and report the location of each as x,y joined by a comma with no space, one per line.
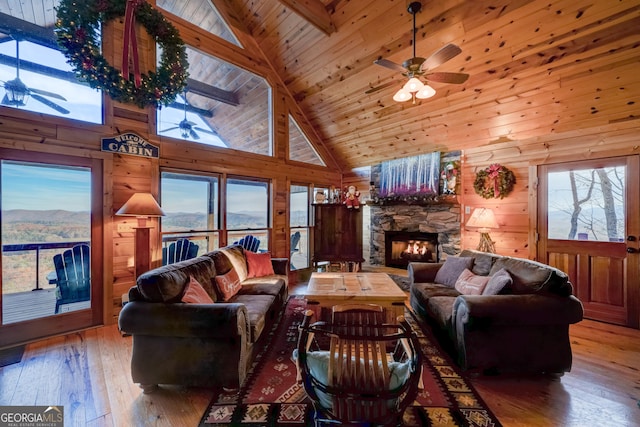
494,173
130,41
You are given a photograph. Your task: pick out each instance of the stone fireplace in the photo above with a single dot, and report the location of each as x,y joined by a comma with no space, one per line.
437,223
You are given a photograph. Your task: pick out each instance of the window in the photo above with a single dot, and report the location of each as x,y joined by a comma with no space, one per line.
223,105
191,205
201,13
300,149
35,75
587,204
247,210
299,225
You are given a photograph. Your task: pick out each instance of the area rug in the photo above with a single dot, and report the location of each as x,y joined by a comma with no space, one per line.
403,282
272,397
9,356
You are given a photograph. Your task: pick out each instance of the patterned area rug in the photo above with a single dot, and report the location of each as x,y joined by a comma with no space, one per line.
403,282
272,397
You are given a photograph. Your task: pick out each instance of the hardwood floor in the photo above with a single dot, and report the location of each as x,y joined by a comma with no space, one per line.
88,373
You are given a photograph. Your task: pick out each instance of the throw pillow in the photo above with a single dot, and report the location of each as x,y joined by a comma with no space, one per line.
194,293
471,284
499,281
228,284
237,259
451,269
258,264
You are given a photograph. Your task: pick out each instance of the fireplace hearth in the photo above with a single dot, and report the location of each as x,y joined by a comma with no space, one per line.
402,247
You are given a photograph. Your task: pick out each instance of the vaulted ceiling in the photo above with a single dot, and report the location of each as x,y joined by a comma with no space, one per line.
536,67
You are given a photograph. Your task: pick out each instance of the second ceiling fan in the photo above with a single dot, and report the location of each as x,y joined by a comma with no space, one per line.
418,66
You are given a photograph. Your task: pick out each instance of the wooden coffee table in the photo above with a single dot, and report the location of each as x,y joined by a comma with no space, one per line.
328,289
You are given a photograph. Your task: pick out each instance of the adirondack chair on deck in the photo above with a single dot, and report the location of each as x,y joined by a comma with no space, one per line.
73,276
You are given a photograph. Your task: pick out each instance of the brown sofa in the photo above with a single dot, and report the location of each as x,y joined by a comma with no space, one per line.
200,344
520,323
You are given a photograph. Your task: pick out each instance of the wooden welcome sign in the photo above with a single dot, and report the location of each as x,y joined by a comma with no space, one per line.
132,144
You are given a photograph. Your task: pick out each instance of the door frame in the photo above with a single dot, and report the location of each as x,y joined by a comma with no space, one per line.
538,223
33,329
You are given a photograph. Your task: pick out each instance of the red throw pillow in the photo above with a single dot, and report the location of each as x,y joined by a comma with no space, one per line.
259,264
194,293
228,284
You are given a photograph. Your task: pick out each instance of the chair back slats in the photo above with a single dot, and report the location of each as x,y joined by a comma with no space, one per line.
73,275
180,250
249,242
359,377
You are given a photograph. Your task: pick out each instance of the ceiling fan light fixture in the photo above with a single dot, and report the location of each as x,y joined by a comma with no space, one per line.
413,85
426,92
17,92
402,95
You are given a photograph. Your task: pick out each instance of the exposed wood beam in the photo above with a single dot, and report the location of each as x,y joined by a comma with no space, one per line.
199,111
314,12
212,92
23,30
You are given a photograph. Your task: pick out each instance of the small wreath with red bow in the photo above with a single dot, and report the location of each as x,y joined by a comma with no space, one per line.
78,27
496,181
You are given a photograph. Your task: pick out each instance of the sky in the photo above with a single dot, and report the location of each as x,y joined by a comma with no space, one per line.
37,187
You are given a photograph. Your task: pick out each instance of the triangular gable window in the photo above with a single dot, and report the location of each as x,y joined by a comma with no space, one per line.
201,13
300,149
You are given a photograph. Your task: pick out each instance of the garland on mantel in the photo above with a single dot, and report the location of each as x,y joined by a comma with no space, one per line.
78,29
495,181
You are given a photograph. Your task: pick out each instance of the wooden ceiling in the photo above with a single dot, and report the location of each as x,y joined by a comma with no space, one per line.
536,68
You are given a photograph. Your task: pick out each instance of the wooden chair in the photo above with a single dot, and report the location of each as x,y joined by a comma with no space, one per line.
179,250
73,275
249,242
358,370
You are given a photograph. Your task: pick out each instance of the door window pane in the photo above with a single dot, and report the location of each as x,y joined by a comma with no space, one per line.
46,214
587,204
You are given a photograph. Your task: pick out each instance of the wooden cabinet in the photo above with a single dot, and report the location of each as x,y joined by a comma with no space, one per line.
337,235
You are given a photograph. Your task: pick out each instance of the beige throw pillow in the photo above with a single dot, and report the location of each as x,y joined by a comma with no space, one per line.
471,284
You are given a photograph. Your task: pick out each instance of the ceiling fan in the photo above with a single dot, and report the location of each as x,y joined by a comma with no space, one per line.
17,93
418,66
188,128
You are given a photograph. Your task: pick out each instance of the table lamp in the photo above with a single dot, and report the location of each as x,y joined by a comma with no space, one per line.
142,206
484,220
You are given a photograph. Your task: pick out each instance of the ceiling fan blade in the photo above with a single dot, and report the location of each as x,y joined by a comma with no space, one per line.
378,88
169,129
193,134
389,64
210,132
49,94
441,56
5,100
455,78
50,104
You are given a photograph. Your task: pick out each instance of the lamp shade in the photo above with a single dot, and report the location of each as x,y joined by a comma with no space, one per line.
141,205
402,95
483,219
426,92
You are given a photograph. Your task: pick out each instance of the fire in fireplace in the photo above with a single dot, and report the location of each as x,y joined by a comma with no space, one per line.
402,247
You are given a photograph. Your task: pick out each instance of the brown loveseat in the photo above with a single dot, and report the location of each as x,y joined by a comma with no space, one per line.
200,344
519,323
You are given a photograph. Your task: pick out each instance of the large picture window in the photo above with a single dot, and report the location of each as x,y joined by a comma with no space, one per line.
247,210
299,225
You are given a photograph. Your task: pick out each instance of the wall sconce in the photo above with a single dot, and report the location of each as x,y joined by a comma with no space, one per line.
142,206
484,220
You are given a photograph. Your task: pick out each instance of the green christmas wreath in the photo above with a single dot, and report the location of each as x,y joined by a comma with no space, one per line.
495,181
78,29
